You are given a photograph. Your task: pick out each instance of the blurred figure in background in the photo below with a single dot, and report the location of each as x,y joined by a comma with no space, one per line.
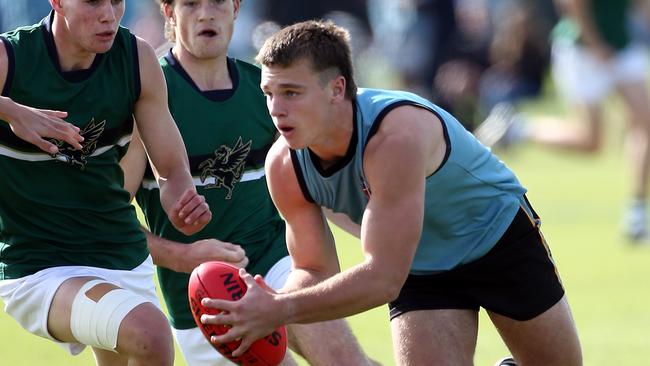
594,54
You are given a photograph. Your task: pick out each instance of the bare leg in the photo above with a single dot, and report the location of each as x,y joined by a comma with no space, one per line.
144,336
550,339
584,135
327,343
637,101
435,337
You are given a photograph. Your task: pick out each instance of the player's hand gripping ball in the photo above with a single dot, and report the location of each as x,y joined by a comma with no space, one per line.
218,280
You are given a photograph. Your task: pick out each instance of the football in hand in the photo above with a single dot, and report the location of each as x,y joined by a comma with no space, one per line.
218,280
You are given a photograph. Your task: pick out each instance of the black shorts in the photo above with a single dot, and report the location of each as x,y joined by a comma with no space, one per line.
517,278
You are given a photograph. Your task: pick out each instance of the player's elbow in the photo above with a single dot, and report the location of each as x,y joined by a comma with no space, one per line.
388,288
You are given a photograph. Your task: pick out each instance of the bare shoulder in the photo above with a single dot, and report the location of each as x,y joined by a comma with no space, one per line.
152,80
408,132
278,160
150,71
282,179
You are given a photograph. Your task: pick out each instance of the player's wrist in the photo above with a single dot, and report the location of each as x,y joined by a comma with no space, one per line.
7,109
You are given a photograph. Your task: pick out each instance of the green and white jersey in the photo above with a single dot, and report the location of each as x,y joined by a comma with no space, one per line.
609,17
227,134
69,208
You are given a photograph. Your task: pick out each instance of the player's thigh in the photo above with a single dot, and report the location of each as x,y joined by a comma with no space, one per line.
435,337
548,339
58,319
197,350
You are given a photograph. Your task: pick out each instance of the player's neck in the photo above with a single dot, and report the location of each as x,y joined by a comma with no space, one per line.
334,143
71,55
207,73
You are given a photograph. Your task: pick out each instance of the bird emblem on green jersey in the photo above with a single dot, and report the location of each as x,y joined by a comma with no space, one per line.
227,166
90,133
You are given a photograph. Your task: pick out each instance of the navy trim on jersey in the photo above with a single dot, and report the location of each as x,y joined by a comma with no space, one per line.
74,76
349,154
301,179
11,67
137,83
216,95
380,118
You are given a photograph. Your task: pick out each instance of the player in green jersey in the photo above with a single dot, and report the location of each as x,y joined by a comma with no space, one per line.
221,113
74,265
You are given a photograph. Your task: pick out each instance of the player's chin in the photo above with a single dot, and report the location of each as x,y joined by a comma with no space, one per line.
101,47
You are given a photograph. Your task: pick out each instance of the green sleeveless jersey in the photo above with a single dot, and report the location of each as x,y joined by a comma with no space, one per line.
227,134
611,21
69,208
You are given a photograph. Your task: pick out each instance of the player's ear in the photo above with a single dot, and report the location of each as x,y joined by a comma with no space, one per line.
338,87
236,4
57,6
168,11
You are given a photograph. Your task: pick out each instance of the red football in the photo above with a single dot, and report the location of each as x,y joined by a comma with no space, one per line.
219,280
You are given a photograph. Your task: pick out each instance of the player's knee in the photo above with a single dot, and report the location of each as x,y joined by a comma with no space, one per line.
107,317
145,335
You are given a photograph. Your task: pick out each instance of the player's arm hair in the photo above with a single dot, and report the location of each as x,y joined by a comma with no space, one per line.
162,140
134,163
309,239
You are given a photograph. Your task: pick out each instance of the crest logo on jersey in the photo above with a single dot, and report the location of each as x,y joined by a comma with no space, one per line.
227,166
90,133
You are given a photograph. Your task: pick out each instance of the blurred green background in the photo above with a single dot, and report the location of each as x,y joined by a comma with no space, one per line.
580,199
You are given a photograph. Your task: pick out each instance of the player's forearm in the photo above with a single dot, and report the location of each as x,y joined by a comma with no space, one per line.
353,291
173,182
164,253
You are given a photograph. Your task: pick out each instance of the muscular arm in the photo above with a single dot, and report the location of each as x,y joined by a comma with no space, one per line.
309,239
187,210
391,228
31,124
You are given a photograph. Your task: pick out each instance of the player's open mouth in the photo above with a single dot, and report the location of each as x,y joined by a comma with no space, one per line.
105,35
207,33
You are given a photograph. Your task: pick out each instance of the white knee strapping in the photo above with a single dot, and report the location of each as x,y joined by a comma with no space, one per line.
97,324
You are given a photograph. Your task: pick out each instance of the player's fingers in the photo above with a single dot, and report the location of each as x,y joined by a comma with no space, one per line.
45,145
187,196
232,256
223,305
192,202
195,216
245,344
247,278
260,281
54,113
242,264
231,335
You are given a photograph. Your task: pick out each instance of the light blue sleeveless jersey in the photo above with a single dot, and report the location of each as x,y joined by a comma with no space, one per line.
469,201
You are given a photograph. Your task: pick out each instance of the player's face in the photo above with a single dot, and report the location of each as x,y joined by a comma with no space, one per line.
298,102
203,27
92,24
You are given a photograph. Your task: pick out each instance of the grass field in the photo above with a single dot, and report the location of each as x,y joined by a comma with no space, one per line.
580,199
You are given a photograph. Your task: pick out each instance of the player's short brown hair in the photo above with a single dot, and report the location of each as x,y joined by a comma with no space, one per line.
325,44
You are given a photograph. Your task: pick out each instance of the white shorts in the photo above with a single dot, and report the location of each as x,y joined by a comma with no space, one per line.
197,350
28,299
583,78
